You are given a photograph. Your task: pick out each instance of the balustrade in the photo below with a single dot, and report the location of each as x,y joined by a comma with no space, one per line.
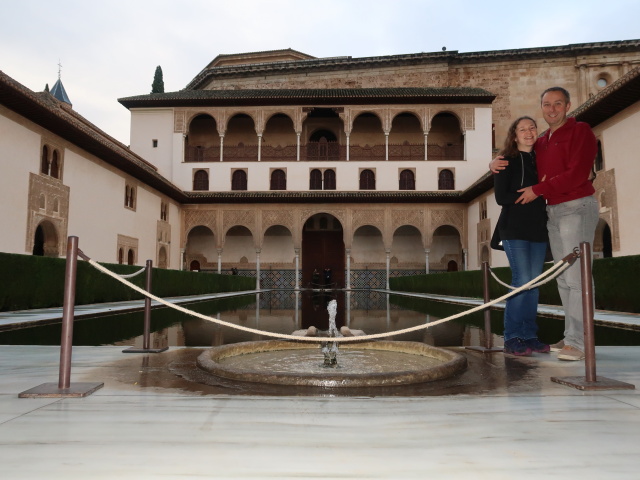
324,151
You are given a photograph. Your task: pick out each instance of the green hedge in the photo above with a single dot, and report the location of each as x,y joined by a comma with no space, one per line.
38,282
615,279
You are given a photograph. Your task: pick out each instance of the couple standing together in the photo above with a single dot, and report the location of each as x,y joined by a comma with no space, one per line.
546,196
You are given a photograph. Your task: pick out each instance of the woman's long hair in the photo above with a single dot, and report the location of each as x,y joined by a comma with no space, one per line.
510,148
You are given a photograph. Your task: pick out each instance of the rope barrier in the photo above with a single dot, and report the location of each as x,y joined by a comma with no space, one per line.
360,338
542,282
131,275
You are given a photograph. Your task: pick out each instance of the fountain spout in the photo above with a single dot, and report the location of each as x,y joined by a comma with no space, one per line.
330,349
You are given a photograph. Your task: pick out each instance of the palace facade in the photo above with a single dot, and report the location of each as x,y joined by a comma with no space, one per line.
277,164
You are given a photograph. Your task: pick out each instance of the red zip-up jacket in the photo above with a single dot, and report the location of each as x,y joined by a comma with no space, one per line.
566,158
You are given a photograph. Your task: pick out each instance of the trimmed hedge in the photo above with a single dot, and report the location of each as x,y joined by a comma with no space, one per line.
38,282
615,279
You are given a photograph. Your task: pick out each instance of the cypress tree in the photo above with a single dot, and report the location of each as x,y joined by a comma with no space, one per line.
158,82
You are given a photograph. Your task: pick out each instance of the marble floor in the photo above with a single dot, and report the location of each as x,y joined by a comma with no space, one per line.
503,418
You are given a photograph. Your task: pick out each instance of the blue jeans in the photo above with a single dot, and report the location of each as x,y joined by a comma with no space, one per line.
526,260
569,224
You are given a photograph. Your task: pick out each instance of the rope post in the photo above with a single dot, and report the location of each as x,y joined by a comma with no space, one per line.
590,381
64,387
146,335
488,348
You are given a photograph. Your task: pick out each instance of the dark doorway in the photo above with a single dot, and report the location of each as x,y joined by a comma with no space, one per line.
38,242
322,248
607,247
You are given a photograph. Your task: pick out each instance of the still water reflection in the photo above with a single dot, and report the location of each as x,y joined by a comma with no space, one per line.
285,311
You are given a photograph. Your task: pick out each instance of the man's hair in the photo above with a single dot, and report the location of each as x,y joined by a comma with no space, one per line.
564,92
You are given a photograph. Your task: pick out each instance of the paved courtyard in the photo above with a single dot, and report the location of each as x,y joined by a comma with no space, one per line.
502,418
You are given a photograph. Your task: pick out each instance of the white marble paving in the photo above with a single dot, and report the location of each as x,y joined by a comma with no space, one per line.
121,431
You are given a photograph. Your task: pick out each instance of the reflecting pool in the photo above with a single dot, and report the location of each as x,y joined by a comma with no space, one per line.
284,311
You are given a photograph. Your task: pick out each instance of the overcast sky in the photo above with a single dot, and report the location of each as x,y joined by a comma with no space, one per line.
110,49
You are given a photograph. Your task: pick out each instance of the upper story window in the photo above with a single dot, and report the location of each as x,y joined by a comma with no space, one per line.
201,180
446,180
51,162
407,180
319,180
154,143
599,164
164,211
239,180
278,180
44,161
367,180
130,195
483,209
330,179
315,179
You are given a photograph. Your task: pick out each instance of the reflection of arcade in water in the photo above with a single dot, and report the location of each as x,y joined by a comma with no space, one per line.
284,311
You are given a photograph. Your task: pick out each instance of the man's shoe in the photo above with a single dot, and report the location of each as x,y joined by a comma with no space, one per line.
556,347
516,346
537,346
570,353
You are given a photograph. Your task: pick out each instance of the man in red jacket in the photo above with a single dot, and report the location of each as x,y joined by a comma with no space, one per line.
564,159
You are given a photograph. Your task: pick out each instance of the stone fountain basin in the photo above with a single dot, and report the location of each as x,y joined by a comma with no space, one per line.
361,364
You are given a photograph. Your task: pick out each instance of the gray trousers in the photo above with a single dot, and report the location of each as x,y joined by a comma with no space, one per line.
570,224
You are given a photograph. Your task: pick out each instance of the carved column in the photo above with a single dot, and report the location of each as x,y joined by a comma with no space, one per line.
257,269
221,147
219,260
464,145
347,147
297,282
464,259
425,145
259,146
347,253
386,146
298,147
426,260
388,254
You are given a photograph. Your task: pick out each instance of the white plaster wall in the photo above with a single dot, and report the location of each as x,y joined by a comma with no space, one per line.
19,155
621,151
150,124
473,217
498,257
97,213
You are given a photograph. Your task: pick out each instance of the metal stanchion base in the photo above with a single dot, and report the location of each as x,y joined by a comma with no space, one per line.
79,389
485,349
601,383
145,350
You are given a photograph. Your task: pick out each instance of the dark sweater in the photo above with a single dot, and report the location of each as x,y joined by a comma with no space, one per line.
518,221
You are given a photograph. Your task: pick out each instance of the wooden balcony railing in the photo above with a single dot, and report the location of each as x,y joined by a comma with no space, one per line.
201,154
324,151
445,152
288,153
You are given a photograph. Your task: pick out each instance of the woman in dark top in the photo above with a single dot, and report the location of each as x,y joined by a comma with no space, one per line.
522,233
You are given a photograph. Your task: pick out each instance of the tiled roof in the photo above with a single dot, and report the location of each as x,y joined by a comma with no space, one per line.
447,57
344,96
60,119
611,100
